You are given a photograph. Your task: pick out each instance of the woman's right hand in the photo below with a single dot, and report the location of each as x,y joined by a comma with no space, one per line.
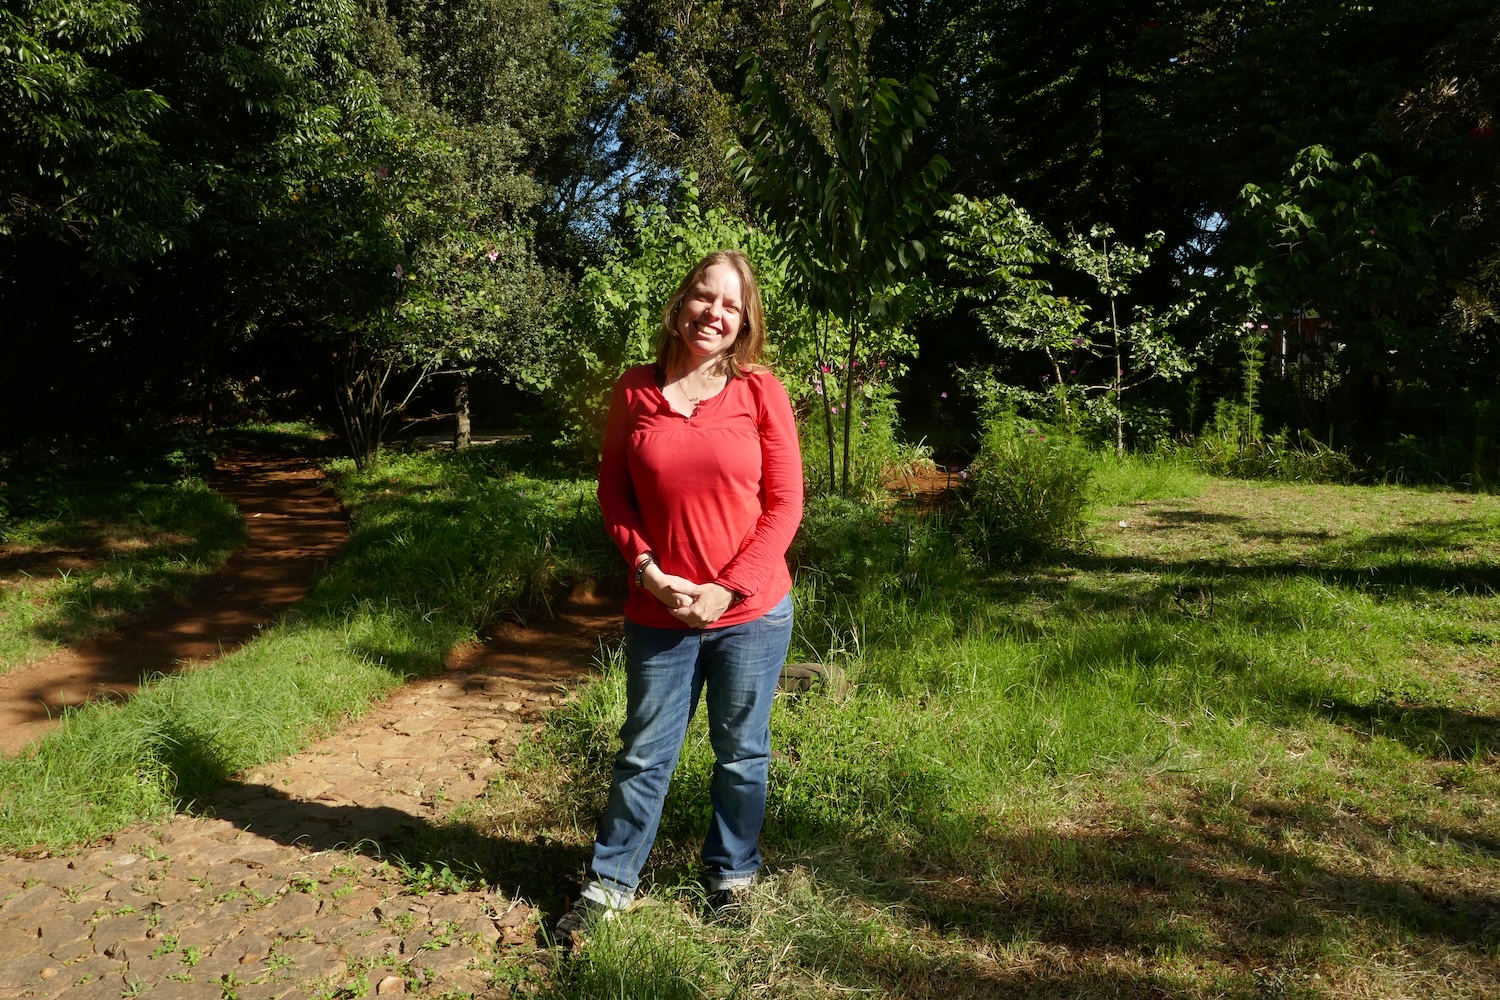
673,591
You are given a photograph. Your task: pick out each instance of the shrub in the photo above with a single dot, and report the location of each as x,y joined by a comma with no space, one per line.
846,547
1025,494
1234,446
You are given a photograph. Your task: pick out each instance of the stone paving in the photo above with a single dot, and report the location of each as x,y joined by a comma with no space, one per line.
277,889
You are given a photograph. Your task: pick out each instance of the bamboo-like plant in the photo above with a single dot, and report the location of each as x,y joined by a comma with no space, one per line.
847,201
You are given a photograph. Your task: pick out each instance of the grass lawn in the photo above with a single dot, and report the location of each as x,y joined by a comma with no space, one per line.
1244,746
79,555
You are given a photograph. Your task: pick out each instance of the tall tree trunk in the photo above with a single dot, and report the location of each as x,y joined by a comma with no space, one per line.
827,394
461,423
849,398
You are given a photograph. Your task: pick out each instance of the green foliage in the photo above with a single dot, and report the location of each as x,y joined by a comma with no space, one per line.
79,153
849,205
848,548
1223,449
1351,245
1026,493
999,244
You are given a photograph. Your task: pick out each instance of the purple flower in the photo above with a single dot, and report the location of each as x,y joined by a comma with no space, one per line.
1077,341
1072,371
400,271
382,172
963,474
1046,378
942,395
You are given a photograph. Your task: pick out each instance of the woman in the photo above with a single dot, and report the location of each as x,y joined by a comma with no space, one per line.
701,488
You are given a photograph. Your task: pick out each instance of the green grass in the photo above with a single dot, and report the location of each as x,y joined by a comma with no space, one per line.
1245,745
82,554
441,544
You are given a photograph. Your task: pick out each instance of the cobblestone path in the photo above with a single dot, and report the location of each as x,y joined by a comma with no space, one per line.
278,888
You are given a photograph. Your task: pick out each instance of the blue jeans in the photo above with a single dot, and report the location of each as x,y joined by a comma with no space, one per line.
666,669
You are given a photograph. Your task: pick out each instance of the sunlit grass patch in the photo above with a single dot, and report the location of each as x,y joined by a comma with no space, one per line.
83,555
1245,745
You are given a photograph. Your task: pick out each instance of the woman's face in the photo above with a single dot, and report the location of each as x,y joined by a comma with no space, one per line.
712,312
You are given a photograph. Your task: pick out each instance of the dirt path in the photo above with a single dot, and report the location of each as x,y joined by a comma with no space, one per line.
296,526
280,887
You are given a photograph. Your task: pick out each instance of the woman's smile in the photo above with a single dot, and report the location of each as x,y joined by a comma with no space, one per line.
712,312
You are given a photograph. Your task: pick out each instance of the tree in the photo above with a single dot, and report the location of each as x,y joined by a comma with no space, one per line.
848,205
998,243
1351,244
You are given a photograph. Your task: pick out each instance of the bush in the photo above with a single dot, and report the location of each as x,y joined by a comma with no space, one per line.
1025,494
847,548
1233,445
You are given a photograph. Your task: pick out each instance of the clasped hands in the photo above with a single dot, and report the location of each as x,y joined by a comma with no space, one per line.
698,605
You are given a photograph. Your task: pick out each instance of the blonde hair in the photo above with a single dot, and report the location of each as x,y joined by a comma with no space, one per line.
744,353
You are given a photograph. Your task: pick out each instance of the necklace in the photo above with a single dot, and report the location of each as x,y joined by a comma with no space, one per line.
711,385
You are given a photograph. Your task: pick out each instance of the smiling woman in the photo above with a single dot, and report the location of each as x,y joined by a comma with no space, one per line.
701,489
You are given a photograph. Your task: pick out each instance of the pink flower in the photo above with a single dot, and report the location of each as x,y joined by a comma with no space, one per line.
880,363
493,255
826,369
382,172
400,271
942,395
833,409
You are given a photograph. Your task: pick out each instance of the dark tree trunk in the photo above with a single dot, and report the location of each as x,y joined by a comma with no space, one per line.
461,422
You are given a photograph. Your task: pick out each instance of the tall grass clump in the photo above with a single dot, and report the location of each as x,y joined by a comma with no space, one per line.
441,544
1026,492
1132,478
1234,445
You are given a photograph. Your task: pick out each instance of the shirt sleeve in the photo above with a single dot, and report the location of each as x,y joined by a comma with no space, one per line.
617,499
764,549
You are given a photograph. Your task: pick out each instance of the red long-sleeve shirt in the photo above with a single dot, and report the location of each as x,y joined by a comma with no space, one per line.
716,497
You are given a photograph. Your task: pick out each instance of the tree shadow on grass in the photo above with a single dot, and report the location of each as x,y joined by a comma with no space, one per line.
1068,911
1434,730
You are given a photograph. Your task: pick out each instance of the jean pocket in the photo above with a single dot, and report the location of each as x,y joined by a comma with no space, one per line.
780,614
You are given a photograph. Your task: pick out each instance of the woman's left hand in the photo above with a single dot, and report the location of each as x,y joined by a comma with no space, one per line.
709,602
